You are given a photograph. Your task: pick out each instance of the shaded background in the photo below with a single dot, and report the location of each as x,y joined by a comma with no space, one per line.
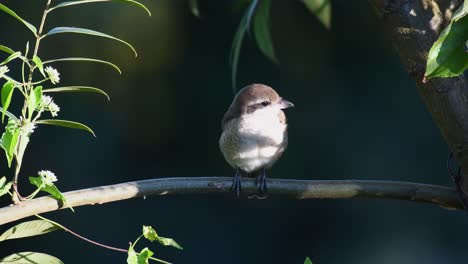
357,116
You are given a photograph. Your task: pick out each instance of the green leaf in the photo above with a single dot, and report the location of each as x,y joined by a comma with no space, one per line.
6,94
9,140
237,42
261,25
135,3
85,31
48,188
85,59
39,65
28,229
34,100
307,261
65,123
132,257
30,258
11,57
448,56
144,256
4,188
10,115
79,89
13,14
150,234
6,49
194,8
321,9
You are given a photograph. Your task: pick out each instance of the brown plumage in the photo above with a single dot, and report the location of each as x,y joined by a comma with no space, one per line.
254,131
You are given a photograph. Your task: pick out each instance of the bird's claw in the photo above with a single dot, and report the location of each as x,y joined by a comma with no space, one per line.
260,182
236,183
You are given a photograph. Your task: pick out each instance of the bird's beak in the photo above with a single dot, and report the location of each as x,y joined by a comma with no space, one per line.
283,103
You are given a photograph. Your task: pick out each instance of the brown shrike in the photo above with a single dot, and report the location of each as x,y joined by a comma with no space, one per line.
254,133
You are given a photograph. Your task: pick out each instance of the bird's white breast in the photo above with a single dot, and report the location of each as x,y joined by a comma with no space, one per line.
255,140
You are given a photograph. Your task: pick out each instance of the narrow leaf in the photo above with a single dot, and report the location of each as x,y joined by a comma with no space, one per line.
6,49
79,89
13,14
150,234
85,31
307,261
34,100
48,188
28,229
448,56
85,59
237,42
30,258
169,242
6,94
65,123
261,24
132,2
11,57
321,9
10,115
39,65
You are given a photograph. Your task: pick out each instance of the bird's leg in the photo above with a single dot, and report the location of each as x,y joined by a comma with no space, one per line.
236,182
261,182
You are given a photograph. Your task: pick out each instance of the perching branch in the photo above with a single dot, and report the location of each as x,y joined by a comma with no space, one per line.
412,27
299,189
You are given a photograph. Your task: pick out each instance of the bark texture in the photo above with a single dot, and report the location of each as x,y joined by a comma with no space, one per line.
413,26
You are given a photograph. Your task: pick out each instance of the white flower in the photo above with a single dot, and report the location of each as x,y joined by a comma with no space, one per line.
47,176
54,109
26,127
47,104
53,74
3,69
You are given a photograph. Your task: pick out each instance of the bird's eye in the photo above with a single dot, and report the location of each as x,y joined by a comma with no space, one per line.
265,103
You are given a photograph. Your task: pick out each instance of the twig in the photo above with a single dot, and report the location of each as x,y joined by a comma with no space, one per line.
299,189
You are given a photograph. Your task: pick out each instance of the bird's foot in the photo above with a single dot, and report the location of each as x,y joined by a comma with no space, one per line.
261,184
236,183
456,178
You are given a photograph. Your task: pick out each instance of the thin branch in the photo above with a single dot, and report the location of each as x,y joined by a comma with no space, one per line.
300,189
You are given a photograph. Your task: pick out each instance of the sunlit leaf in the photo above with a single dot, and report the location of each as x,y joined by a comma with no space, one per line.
11,57
39,65
321,9
85,31
6,94
448,56
13,14
65,123
9,140
133,2
150,234
30,258
6,49
85,59
28,229
4,186
261,29
48,188
10,115
79,89
237,42
307,261
34,99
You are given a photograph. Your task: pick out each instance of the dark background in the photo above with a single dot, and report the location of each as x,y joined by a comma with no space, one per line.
357,116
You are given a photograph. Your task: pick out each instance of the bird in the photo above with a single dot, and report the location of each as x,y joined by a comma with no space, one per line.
254,133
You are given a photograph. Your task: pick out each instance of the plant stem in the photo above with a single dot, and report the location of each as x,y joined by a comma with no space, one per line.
28,87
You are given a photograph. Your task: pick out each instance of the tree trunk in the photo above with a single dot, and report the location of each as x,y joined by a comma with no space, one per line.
413,26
